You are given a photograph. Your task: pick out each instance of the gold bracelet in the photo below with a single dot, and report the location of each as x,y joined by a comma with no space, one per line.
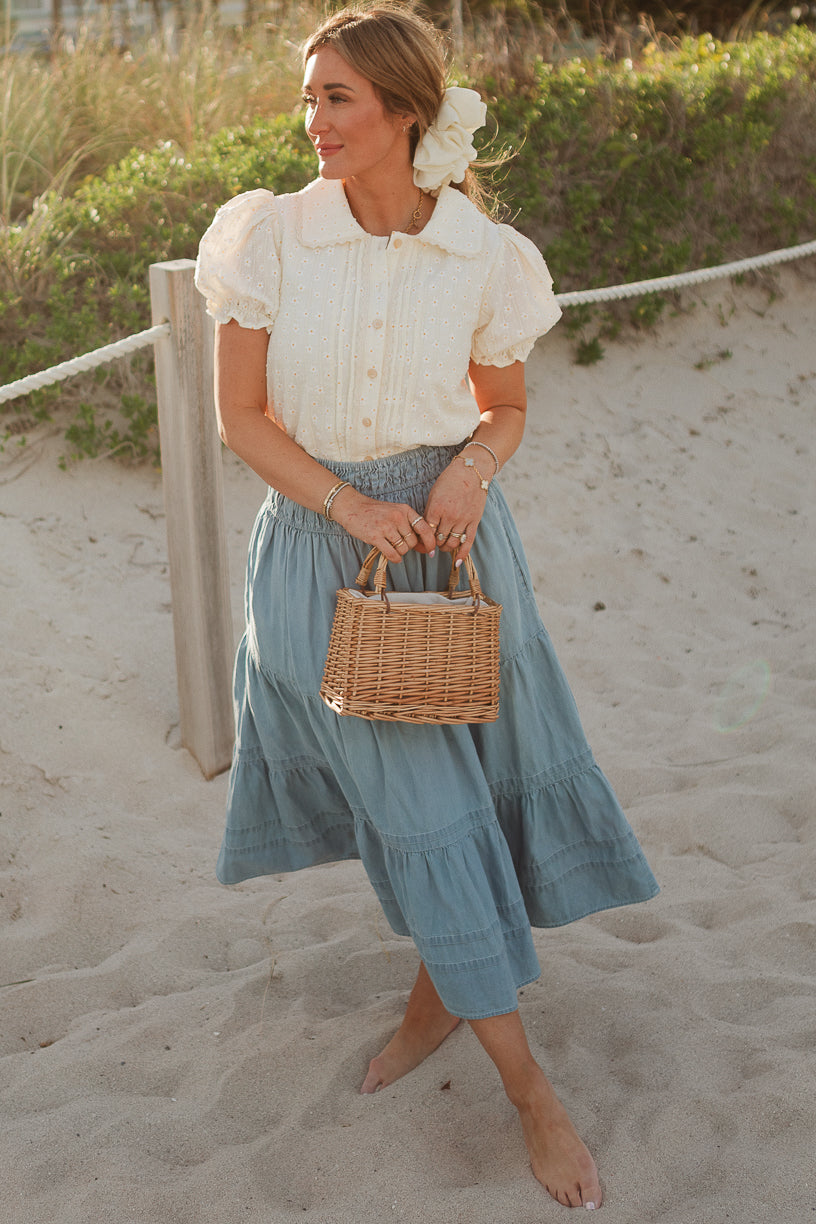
468,462
332,493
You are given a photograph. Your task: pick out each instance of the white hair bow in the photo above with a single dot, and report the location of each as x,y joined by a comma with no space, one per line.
446,150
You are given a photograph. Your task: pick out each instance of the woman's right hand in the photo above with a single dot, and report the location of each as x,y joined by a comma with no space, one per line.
392,527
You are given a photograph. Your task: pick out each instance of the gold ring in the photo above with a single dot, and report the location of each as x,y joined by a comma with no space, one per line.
463,537
414,522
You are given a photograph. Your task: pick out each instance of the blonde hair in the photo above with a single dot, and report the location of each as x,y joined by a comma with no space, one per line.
403,56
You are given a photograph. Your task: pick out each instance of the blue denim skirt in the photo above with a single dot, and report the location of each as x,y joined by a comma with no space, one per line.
469,833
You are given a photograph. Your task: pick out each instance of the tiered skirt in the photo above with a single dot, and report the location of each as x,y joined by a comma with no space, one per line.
468,833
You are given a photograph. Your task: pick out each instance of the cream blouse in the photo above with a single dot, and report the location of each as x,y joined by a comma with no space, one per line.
370,337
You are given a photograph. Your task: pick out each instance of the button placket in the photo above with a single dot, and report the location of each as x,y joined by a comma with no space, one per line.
374,352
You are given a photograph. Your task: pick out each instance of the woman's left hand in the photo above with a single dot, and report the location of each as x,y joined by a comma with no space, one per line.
455,508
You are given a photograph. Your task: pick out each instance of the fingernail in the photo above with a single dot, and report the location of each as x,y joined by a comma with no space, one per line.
432,553
458,563
589,1206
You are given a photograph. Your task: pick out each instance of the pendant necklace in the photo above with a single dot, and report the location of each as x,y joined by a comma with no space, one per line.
416,215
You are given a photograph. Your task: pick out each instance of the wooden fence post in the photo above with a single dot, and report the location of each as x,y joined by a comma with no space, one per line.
194,509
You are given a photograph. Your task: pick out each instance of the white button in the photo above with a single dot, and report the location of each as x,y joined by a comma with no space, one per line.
377,323
366,421
372,373
397,243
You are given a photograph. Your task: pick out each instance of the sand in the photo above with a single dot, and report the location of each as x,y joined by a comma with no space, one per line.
175,1052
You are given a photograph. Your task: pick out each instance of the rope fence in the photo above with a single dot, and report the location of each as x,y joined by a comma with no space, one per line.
581,297
612,293
88,361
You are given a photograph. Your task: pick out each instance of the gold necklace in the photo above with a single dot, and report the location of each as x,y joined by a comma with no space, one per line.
416,215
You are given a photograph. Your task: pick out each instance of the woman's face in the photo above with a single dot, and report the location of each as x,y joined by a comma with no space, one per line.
350,129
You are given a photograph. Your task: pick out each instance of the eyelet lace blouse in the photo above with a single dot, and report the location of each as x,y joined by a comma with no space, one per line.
370,337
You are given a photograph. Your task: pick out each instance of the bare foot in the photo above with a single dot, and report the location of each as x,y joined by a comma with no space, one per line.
560,1161
425,1026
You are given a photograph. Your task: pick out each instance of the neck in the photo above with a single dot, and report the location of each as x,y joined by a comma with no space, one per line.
383,210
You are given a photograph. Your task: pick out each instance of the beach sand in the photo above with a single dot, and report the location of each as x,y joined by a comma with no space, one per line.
176,1052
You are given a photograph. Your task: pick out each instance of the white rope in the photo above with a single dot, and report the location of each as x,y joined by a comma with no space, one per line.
88,361
614,292
100,356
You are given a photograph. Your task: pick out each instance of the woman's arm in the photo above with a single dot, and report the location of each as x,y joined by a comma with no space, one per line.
457,500
241,403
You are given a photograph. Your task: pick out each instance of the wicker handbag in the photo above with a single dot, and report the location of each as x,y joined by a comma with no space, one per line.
431,657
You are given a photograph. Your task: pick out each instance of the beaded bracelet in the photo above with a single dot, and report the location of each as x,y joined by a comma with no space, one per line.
332,493
489,450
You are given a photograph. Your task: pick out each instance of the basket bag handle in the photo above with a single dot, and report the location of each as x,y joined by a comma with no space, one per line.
379,576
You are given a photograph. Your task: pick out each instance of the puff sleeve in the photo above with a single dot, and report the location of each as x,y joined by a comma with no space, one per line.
238,265
518,304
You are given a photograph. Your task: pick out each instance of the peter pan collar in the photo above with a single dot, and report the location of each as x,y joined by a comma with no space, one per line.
457,226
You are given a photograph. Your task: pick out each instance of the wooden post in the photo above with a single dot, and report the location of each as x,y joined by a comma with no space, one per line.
194,508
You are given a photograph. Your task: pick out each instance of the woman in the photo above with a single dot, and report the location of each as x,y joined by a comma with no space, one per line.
371,335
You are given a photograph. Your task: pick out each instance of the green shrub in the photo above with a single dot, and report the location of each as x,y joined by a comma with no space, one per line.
696,156
91,285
